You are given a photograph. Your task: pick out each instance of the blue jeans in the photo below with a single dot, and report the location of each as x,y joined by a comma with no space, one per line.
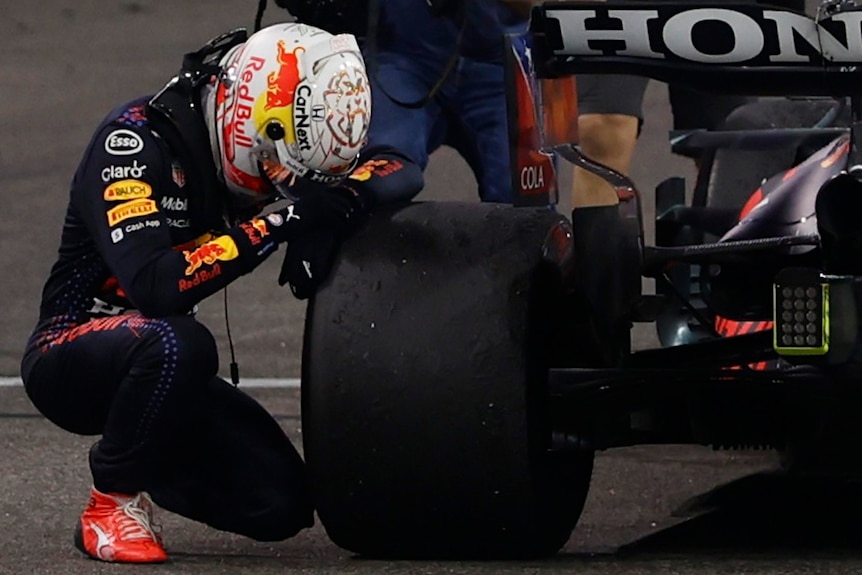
468,114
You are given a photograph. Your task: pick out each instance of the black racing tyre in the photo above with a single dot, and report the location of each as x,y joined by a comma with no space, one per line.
424,386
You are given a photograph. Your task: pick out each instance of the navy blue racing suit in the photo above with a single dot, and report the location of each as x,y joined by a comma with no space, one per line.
117,350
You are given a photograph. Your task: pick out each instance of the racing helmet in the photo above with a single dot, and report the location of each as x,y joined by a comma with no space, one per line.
291,103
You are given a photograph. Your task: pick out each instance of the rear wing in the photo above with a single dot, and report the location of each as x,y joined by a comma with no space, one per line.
727,48
540,112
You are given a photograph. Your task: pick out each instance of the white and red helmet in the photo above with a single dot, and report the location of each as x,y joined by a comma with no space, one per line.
293,101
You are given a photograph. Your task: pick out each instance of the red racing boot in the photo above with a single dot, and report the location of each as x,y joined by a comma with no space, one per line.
118,528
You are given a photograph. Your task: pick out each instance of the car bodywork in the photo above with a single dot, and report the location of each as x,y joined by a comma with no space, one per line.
484,356
731,381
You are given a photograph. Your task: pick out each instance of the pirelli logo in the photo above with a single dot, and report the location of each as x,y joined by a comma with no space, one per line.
127,190
131,209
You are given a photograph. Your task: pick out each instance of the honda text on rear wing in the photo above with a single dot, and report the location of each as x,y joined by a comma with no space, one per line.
729,48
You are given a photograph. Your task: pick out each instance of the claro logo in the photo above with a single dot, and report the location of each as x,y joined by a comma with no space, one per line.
123,143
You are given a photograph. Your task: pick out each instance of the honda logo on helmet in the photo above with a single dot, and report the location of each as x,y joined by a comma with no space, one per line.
324,178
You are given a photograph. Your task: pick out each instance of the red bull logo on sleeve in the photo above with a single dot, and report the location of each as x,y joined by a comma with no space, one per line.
222,248
201,277
380,168
260,226
255,229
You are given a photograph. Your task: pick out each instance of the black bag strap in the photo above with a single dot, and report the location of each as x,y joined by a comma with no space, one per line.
258,16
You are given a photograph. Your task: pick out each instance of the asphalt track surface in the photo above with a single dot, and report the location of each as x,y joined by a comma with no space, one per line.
660,509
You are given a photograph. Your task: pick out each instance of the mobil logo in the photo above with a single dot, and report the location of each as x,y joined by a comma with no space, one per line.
174,204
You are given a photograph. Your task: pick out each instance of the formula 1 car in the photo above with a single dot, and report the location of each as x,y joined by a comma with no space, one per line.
484,351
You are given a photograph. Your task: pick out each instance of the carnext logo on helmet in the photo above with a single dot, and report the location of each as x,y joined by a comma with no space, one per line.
300,106
123,143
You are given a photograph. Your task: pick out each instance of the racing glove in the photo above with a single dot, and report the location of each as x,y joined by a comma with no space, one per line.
337,209
307,262
335,213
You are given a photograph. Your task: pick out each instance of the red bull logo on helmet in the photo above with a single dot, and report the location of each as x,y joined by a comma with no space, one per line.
281,90
221,248
235,108
281,83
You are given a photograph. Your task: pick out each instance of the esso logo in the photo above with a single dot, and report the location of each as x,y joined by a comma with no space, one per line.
123,143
